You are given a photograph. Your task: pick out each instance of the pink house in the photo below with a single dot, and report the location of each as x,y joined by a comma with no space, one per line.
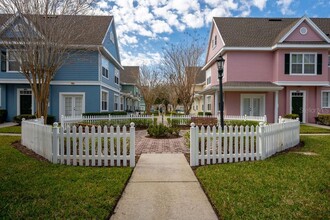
273,66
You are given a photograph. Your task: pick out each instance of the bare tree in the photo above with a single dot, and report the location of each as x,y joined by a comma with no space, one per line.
42,39
147,83
180,65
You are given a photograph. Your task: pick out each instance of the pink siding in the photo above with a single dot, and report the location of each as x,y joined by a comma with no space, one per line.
213,51
250,66
279,63
214,72
310,36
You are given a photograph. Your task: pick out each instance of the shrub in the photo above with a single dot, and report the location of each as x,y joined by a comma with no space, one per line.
241,123
18,118
206,114
291,116
3,115
323,119
161,131
139,123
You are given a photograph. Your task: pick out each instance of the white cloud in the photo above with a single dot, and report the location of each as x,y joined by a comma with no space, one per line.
140,59
261,4
160,26
285,6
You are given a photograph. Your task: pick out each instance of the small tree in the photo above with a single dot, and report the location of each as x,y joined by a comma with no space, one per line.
147,83
43,40
180,65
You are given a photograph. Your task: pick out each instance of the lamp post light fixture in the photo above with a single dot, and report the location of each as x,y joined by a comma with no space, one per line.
221,63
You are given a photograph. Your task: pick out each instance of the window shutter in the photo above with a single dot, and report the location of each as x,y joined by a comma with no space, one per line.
3,61
319,64
287,64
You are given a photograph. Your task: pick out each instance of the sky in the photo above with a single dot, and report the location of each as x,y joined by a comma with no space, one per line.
144,27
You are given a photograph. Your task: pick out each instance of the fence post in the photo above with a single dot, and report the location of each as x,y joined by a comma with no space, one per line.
262,140
265,118
132,144
192,144
245,117
55,143
23,132
62,121
280,119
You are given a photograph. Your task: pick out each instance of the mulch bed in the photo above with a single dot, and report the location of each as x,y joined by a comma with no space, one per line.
17,145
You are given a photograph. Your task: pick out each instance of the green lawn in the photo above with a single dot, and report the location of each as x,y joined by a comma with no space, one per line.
31,189
306,129
12,129
286,186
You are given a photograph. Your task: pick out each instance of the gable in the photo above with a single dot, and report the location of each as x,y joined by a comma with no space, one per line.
304,33
17,27
213,48
110,41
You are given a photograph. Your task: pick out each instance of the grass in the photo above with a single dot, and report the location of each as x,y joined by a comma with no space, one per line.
286,186
12,129
32,189
307,129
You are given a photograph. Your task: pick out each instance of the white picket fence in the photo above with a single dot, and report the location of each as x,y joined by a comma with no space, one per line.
71,120
81,146
235,144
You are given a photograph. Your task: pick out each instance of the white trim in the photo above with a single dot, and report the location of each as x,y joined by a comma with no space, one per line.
303,64
302,83
18,103
7,62
105,36
61,96
276,107
322,91
118,103
311,23
304,103
262,105
111,57
108,102
210,38
255,89
301,46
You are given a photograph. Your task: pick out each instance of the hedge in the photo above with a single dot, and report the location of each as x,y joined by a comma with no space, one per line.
206,113
291,116
323,119
103,113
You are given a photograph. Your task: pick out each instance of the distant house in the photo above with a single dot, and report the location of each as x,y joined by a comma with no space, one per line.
131,97
87,82
198,104
273,66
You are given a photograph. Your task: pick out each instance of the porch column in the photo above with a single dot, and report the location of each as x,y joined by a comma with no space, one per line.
216,103
276,107
204,105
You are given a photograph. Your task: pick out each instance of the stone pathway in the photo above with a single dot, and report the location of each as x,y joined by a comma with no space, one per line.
163,186
151,145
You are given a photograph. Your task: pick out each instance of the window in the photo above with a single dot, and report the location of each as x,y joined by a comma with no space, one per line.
208,76
116,76
116,103
325,99
12,63
112,37
214,41
105,101
328,60
303,63
122,103
105,68
208,102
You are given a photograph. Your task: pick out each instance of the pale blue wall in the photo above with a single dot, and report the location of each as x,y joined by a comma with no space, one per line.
3,91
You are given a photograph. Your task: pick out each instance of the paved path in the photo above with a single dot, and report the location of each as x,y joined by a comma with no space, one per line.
151,145
318,126
163,186
8,124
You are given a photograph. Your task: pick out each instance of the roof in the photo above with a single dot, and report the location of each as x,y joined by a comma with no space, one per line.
94,27
200,76
130,74
260,32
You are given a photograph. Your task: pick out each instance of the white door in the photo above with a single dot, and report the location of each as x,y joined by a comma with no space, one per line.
252,105
73,105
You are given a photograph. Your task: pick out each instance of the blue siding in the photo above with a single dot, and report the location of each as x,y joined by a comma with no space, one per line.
111,80
112,47
92,98
3,96
80,66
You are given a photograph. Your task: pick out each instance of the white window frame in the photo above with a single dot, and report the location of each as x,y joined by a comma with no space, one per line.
116,75
208,76
105,65
322,92
304,103
61,99
114,102
256,95
208,103
18,103
107,100
7,62
303,64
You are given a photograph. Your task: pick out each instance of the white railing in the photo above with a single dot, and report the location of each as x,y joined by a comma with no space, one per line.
235,144
81,146
37,137
72,120
246,118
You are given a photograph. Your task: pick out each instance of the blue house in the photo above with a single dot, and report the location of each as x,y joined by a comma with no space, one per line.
87,82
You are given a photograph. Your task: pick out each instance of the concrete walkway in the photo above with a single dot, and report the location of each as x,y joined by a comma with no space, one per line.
8,124
318,126
163,186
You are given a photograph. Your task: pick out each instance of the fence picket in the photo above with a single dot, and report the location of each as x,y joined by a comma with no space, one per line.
225,142
68,145
99,146
247,134
74,150
112,151
81,153
241,146
208,144
87,141
203,145
118,146
214,144
220,157
236,143
62,145
106,141
93,146
230,144
124,147
252,143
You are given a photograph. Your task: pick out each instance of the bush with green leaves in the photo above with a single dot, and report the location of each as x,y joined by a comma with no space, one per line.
323,119
141,123
291,116
206,113
162,131
241,123
175,122
18,118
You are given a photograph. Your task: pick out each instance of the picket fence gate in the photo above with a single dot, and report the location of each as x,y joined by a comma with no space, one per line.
81,146
235,144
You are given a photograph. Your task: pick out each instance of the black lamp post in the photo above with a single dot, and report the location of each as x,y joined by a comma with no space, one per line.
221,63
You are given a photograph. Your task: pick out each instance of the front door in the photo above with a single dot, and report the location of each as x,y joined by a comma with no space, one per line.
252,105
25,102
297,104
73,105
